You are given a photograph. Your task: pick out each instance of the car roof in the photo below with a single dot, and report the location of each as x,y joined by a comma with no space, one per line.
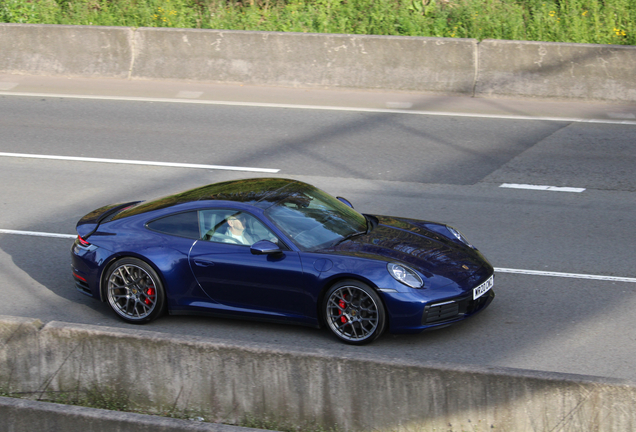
259,192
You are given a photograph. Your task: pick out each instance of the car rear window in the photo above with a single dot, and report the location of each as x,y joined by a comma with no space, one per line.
180,224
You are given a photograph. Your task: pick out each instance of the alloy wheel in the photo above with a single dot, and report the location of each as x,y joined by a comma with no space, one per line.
132,292
353,314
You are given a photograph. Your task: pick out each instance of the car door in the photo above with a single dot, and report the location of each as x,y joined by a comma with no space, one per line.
242,282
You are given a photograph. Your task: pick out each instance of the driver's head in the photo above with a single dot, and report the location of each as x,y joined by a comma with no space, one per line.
236,223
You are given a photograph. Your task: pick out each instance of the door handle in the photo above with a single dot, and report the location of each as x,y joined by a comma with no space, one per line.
203,263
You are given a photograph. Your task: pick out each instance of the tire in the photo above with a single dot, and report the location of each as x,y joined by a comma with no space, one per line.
134,291
354,312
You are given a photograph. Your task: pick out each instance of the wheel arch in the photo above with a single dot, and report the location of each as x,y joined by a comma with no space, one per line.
341,278
118,257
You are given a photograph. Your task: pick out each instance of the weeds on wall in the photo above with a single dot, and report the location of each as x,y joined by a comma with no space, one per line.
115,400
97,397
583,21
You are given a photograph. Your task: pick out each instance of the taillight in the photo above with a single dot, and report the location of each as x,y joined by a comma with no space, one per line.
82,241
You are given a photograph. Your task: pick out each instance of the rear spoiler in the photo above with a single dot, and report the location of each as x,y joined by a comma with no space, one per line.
89,223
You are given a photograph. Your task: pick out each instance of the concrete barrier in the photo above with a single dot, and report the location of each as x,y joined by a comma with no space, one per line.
561,70
270,58
309,60
27,415
86,51
226,382
443,65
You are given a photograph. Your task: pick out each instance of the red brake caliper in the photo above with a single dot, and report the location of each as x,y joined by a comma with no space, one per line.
149,293
342,304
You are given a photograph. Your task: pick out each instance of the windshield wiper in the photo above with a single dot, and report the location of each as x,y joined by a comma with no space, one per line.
349,237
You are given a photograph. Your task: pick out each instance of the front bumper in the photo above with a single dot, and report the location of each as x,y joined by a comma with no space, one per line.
448,312
419,310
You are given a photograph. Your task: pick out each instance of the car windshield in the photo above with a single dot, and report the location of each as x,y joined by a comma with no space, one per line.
313,219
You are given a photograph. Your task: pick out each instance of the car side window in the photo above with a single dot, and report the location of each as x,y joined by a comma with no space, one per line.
181,224
233,227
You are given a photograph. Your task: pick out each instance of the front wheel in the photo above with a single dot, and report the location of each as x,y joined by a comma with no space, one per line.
134,291
354,312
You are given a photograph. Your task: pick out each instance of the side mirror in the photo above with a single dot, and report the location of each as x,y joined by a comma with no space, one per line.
265,247
345,201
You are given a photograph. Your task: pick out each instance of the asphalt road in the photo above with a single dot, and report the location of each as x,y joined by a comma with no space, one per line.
425,157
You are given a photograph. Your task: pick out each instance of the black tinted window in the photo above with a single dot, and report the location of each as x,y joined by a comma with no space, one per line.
181,224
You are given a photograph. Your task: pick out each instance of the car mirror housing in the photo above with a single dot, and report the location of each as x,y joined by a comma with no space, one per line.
345,201
265,247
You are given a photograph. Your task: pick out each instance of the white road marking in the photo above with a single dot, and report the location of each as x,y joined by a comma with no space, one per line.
37,234
497,269
540,187
319,107
566,275
136,162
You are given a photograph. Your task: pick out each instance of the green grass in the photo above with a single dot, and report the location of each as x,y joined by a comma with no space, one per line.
583,21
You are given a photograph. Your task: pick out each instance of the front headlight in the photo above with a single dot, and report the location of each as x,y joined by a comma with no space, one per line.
459,236
405,275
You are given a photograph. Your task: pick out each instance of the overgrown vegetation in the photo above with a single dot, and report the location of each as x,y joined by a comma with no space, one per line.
114,400
584,21
96,397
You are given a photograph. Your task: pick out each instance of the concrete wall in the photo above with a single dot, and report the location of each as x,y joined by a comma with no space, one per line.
226,382
66,50
309,60
444,65
561,70
20,415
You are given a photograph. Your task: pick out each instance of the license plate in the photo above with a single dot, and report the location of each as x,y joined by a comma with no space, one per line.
483,288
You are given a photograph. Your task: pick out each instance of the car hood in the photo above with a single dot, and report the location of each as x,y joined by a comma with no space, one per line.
418,244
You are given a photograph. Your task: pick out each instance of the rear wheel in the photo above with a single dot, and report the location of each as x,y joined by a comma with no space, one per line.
134,291
354,312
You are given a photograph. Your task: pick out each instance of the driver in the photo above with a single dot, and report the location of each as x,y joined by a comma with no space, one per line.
236,230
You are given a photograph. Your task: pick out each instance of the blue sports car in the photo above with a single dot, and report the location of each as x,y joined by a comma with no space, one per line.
280,250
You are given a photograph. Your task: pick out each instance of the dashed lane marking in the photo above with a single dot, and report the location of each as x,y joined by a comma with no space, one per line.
540,187
566,275
136,162
37,234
